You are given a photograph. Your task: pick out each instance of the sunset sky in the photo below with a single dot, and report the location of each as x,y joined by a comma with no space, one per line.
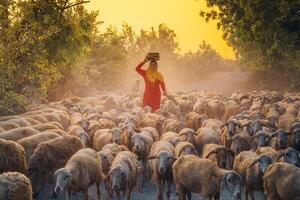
180,15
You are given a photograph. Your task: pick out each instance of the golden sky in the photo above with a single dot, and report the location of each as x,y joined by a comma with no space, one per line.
180,15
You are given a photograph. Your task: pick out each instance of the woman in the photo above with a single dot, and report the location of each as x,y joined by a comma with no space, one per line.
154,81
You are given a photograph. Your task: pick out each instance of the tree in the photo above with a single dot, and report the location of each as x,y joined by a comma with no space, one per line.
39,42
264,33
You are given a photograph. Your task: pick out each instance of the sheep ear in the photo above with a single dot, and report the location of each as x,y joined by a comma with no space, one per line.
137,130
231,152
253,162
171,156
151,157
280,156
273,134
212,152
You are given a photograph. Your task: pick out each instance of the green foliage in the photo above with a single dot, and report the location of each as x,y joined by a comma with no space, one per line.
265,33
39,42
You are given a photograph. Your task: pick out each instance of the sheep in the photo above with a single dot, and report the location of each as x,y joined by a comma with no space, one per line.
201,106
219,154
206,136
105,136
81,134
231,109
295,136
123,174
187,134
128,131
106,123
81,171
108,153
228,131
141,145
77,119
281,182
204,177
286,121
12,156
46,126
30,143
185,148
240,142
2,129
194,120
161,158
290,156
170,137
49,156
8,125
172,125
260,139
15,186
18,133
281,140
216,109
153,120
214,124
153,132
251,168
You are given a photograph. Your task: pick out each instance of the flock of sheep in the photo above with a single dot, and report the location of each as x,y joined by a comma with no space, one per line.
220,147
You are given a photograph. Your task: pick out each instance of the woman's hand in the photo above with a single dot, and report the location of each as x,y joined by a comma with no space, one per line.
146,60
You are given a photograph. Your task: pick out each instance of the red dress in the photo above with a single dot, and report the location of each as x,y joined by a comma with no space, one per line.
152,92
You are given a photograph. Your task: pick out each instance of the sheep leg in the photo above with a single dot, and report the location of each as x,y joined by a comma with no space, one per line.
108,189
98,190
128,193
159,186
85,195
169,189
181,192
251,195
189,195
68,194
118,195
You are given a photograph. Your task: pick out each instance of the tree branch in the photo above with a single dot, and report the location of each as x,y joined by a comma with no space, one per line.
75,4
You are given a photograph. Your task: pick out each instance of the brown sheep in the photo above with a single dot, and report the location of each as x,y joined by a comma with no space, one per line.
204,177
45,127
8,125
12,156
38,118
49,156
161,158
219,154
187,134
128,131
201,106
206,136
2,130
185,148
216,109
240,142
281,182
106,123
141,145
172,125
251,167
230,128
153,120
232,108
194,120
123,174
286,121
215,124
15,186
30,143
77,119
81,171
18,133
170,137
81,134
106,136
